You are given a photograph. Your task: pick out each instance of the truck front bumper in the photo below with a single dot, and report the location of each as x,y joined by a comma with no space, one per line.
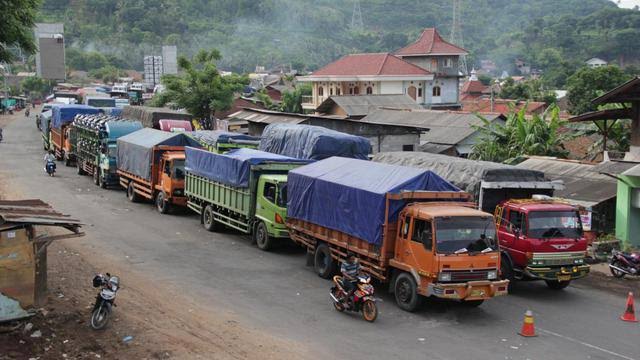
179,200
559,273
472,290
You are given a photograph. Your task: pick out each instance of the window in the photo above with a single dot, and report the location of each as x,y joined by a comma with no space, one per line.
270,192
350,91
407,147
448,63
436,91
405,227
422,233
419,92
320,91
167,168
369,90
515,218
178,169
282,194
338,91
356,90
330,91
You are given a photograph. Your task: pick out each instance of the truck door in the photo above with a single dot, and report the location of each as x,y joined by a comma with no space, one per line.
266,205
165,178
421,245
510,231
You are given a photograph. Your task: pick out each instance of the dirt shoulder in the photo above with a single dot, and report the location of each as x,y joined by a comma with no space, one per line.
162,322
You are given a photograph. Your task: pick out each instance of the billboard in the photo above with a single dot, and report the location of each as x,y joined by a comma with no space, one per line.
170,59
50,58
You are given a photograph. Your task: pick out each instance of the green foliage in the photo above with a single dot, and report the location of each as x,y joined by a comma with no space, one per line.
520,136
200,89
532,89
108,74
265,99
485,79
16,27
36,86
292,102
588,83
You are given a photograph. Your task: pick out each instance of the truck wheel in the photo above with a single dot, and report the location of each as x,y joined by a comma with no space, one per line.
80,171
161,204
208,219
506,272
557,285
131,193
324,264
406,292
262,238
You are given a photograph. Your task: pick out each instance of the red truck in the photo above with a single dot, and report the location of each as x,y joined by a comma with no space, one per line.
541,238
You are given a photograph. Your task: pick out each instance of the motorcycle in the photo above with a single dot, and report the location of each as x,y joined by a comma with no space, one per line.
361,300
50,168
624,264
105,300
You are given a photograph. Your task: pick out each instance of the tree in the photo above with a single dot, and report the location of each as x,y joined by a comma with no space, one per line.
35,86
16,27
532,89
201,89
588,83
520,136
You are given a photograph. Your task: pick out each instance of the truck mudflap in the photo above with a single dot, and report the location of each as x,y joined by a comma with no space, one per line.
472,290
559,273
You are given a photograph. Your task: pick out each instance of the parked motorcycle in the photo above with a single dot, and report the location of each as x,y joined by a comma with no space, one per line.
105,300
624,264
361,300
50,168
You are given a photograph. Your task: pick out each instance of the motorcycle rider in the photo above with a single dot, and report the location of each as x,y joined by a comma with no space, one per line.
350,270
49,157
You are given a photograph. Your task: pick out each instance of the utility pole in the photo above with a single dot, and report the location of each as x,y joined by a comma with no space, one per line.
456,35
356,16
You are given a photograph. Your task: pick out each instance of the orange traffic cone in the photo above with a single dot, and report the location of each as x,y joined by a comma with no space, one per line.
629,312
528,329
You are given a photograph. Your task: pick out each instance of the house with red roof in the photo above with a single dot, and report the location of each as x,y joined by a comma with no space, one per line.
426,70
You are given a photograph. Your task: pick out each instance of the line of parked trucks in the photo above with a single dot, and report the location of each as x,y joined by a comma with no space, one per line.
402,214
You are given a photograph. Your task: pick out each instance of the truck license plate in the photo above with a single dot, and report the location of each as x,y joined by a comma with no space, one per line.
477,293
564,277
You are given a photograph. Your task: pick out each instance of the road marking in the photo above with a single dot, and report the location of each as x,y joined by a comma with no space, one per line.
586,344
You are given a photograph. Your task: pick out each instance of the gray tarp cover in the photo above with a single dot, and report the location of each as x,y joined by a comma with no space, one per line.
463,173
135,149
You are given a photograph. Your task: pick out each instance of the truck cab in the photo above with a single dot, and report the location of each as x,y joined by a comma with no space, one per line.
450,251
541,240
271,207
170,184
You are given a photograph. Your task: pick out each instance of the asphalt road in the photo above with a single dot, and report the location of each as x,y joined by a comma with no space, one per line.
277,293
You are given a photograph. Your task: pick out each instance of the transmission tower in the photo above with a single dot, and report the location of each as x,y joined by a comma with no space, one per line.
356,16
456,35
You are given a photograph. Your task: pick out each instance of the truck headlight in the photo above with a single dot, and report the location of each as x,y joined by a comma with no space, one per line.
492,274
444,276
578,261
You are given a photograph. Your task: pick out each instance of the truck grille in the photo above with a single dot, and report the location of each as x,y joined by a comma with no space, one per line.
469,275
557,259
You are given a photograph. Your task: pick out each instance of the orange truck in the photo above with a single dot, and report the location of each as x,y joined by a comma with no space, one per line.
408,227
60,140
151,166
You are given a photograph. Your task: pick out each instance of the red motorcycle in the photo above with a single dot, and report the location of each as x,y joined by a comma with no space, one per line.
361,300
624,264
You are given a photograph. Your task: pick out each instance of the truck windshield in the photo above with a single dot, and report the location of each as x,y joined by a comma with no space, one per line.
554,224
282,195
178,169
465,234
113,150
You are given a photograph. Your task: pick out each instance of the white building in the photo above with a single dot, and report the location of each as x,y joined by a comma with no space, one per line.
596,62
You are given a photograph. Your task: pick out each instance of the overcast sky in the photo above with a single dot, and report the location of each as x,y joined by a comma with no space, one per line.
627,3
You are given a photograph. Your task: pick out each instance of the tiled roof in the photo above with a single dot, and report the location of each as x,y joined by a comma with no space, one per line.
430,42
473,86
501,106
382,64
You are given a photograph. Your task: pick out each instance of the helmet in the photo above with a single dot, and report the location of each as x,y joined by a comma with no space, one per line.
114,282
97,280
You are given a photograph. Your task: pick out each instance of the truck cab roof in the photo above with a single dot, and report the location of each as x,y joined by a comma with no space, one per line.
174,155
529,205
278,178
429,211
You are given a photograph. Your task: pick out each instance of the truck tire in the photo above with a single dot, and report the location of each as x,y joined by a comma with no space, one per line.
262,238
161,204
557,285
406,292
506,271
80,170
324,264
208,219
131,193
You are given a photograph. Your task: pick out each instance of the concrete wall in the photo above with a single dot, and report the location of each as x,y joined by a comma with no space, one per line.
627,216
52,62
426,62
391,87
384,143
449,91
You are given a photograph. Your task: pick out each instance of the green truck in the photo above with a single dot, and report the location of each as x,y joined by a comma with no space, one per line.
244,189
94,143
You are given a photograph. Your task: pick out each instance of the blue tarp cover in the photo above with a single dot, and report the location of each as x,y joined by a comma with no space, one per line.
350,195
312,142
64,114
232,168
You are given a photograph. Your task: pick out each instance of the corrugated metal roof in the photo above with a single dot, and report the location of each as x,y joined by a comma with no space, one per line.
614,167
35,212
360,105
634,171
582,181
445,127
266,117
